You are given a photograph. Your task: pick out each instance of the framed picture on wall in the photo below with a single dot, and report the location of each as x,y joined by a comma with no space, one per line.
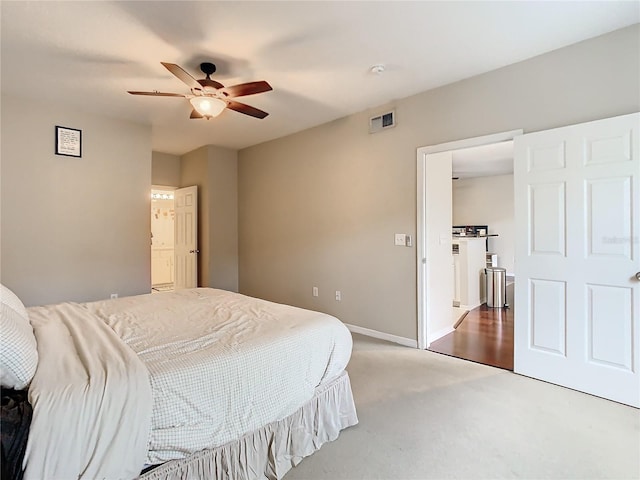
68,142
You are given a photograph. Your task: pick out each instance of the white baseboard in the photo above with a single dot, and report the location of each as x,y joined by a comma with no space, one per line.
407,342
471,306
439,334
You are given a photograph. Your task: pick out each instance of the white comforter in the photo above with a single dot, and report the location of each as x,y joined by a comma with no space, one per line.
91,399
222,364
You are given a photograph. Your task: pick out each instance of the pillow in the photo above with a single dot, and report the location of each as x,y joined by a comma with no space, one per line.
18,352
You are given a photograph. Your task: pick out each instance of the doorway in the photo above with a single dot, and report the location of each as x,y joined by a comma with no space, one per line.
162,239
483,236
476,332
174,238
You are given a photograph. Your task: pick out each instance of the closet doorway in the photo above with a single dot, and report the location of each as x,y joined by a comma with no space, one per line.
162,239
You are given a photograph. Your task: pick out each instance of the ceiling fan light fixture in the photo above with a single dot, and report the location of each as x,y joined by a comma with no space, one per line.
208,106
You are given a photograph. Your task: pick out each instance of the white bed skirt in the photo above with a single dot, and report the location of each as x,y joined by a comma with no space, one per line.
271,451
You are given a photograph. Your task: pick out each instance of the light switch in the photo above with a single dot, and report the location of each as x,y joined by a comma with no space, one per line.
400,239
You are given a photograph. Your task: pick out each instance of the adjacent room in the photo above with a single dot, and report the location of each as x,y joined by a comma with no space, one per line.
324,239
162,240
483,256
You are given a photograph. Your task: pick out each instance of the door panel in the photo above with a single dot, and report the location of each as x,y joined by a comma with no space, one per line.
548,316
610,322
577,207
547,219
609,216
546,157
608,146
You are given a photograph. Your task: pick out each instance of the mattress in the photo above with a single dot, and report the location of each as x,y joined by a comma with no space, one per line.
222,364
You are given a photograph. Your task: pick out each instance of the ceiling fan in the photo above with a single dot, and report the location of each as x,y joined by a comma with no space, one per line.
208,97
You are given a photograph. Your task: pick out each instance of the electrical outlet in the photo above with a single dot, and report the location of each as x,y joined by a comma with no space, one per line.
338,295
315,291
114,295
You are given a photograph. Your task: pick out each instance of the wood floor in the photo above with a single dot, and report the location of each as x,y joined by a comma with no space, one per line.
484,336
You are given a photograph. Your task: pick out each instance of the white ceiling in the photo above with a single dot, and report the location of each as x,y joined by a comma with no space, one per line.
316,55
483,161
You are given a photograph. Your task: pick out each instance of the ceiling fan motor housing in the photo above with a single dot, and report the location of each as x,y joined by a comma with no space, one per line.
207,68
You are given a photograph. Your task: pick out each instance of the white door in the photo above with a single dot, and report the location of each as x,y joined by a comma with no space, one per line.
577,299
186,237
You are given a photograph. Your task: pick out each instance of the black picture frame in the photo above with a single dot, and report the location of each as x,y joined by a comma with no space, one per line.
68,142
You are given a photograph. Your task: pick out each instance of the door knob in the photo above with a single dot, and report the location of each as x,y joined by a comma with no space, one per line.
198,251
637,275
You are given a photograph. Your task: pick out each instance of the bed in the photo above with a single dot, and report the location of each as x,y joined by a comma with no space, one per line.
197,383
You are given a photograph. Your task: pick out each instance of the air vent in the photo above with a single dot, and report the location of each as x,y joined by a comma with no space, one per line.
381,122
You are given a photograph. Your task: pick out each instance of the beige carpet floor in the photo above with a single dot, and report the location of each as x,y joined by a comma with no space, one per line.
429,416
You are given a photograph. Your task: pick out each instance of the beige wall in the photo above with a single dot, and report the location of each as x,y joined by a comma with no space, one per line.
320,207
214,170
73,228
488,201
165,169
223,211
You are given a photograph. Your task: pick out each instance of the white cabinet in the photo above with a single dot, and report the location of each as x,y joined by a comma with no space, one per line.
469,264
161,266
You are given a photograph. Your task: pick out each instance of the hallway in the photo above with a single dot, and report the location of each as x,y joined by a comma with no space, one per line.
484,336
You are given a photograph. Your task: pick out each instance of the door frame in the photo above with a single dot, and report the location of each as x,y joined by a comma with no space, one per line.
422,254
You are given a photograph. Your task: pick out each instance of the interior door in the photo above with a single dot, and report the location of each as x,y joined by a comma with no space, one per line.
577,299
186,237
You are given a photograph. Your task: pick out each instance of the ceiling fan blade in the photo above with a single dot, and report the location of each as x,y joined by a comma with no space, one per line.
207,82
243,89
182,75
195,114
246,109
157,94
